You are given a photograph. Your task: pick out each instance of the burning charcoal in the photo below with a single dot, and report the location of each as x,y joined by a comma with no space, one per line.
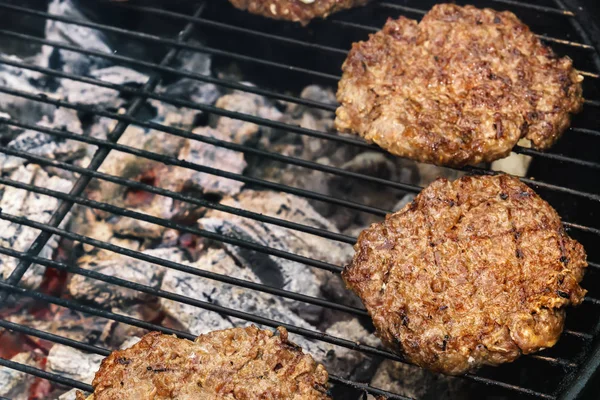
72,363
247,103
42,144
91,39
139,169
215,157
78,92
15,384
35,207
112,264
198,320
272,270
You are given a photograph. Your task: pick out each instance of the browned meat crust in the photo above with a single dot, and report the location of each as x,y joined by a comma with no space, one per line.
296,10
472,272
241,363
461,87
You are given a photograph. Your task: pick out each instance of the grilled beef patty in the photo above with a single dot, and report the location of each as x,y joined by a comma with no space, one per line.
302,11
460,87
239,363
472,272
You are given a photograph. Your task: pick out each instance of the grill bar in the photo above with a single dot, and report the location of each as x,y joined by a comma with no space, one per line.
154,67
174,161
536,7
100,155
40,373
172,225
189,199
199,272
182,267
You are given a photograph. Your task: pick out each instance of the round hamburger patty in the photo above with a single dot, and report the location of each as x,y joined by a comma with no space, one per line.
296,10
472,272
460,87
239,363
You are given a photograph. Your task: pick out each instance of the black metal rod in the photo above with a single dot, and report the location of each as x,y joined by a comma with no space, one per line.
536,7
181,73
200,202
176,266
26,330
216,52
45,375
309,333
99,157
229,175
173,225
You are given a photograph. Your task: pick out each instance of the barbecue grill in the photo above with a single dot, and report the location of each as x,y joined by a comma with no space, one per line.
280,59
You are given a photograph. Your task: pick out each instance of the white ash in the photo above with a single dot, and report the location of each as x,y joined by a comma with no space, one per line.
276,271
42,144
85,223
119,266
83,93
91,39
35,207
213,156
199,321
249,104
15,384
72,363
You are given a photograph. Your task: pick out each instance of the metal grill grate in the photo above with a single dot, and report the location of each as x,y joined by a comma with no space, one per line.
574,371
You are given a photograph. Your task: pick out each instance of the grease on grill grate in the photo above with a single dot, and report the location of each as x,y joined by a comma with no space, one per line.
227,198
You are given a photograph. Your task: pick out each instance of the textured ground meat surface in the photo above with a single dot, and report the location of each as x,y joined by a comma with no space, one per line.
296,10
472,272
240,363
460,87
